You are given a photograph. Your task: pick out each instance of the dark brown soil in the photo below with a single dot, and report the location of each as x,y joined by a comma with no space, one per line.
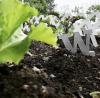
51,73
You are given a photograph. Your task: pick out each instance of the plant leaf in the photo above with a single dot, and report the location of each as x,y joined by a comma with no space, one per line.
43,33
13,42
12,15
14,48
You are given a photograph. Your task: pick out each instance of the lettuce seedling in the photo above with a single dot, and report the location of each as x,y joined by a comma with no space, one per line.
13,42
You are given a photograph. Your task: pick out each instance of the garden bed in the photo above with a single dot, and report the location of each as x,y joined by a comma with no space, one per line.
46,72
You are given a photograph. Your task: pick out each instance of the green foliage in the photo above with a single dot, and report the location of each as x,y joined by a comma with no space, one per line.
93,8
50,5
46,36
43,6
12,15
13,42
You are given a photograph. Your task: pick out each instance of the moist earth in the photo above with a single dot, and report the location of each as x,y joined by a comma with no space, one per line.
46,72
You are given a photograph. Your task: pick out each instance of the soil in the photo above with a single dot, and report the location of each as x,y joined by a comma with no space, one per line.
46,72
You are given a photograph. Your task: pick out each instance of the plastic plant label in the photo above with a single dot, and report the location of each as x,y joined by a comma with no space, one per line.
93,39
78,42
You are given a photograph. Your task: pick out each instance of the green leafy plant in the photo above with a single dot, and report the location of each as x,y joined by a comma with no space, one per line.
13,42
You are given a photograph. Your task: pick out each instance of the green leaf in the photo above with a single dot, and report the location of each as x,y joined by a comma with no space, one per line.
43,33
14,48
13,42
12,15
17,45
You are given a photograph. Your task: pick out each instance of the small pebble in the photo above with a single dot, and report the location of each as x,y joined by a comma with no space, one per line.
25,87
52,76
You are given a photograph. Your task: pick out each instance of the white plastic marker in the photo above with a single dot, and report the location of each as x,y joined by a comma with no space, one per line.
78,41
88,29
93,39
